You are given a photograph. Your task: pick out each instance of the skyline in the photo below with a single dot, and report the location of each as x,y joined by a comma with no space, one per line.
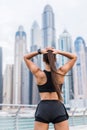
69,15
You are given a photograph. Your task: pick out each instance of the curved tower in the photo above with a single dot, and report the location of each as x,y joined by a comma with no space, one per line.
48,27
80,68
80,76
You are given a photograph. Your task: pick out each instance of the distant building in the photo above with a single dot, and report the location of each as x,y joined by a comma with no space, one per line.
64,44
1,79
80,73
35,44
8,85
86,56
48,27
21,74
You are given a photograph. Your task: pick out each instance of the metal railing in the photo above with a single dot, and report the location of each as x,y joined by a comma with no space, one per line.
21,117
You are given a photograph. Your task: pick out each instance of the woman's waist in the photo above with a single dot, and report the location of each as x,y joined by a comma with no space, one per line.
49,96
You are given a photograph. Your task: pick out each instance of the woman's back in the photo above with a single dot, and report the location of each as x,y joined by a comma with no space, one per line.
50,109
45,84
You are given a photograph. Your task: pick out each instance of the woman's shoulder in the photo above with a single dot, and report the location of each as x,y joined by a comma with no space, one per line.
41,73
41,78
59,70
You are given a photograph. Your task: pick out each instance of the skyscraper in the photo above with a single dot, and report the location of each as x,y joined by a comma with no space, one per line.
86,56
1,82
80,73
48,27
64,44
35,44
36,39
8,85
21,79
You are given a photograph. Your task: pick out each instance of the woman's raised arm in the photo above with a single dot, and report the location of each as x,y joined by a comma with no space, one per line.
30,64
67,66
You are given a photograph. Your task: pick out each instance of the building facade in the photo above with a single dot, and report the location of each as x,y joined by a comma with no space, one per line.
86,56
35,44
8,85
65,44
48,27
1,78
80,73
21,73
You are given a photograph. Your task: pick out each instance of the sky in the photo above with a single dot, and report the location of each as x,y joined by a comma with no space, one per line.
69,14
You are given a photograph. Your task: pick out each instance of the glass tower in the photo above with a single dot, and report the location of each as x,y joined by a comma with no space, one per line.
35,44
80,75
64,44
1,83
48,27
21,79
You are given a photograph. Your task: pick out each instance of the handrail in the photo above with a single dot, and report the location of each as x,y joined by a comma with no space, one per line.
16,105
21,116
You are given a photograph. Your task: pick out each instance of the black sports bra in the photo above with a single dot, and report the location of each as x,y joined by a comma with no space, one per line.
48,86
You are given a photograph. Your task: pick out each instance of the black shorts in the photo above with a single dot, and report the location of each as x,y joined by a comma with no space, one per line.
51,111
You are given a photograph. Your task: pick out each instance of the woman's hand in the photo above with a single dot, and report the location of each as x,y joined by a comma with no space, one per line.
55,51
44,51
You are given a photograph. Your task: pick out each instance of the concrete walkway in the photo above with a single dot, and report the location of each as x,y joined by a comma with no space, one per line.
84,127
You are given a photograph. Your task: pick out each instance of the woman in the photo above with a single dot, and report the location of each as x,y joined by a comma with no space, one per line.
49,82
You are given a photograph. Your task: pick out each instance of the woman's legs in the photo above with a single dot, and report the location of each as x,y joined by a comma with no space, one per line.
41,126
62,125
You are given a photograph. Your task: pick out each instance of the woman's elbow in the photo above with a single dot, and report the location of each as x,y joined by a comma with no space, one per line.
24,58
75,56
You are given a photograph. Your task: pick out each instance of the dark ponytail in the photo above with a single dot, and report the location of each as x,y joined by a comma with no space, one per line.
50,59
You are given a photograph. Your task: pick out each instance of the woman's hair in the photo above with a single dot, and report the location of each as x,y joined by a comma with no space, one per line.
50,59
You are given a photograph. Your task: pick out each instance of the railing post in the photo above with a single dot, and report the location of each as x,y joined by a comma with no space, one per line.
73,116
16,118
84,115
